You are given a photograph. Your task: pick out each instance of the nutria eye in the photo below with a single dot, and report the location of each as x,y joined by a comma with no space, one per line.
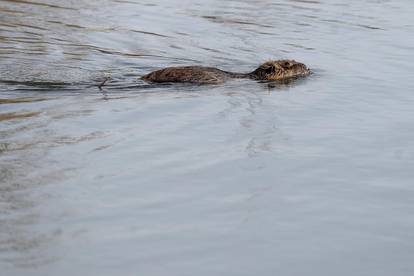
270,70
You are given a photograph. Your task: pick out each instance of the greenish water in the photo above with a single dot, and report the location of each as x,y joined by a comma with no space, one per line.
245,178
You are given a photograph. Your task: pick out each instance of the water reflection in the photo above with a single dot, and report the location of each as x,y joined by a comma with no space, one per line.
258,123
27,234
21,100
13,116
24,242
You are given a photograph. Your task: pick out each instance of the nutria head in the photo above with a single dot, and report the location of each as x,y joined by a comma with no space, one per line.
280,70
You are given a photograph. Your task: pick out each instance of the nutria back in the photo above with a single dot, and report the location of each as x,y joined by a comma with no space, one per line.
269,71
191,74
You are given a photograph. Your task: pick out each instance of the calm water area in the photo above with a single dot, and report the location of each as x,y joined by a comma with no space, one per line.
312,177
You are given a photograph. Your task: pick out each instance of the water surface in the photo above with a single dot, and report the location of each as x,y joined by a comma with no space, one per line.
314,177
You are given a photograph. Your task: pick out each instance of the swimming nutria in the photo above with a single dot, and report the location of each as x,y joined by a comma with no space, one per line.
270,71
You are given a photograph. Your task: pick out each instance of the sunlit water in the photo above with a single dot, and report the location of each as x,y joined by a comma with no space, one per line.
311,178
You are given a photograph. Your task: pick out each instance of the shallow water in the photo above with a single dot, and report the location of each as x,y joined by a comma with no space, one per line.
310,178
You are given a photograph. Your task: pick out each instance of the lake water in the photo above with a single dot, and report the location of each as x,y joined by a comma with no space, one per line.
315,177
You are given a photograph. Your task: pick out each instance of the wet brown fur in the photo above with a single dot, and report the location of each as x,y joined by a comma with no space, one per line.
268,71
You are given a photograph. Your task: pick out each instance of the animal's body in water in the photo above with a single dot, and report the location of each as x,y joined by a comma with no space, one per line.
278,70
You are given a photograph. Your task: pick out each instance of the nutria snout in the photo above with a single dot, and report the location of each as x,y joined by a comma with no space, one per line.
268,71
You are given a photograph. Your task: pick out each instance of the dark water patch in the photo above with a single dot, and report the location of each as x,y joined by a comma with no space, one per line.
14,116
222,20
66,24
307,1
19,24
352,24
38,4
131,2
300,46
147,33
11,11
38,84
369,27
47,140
22,100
